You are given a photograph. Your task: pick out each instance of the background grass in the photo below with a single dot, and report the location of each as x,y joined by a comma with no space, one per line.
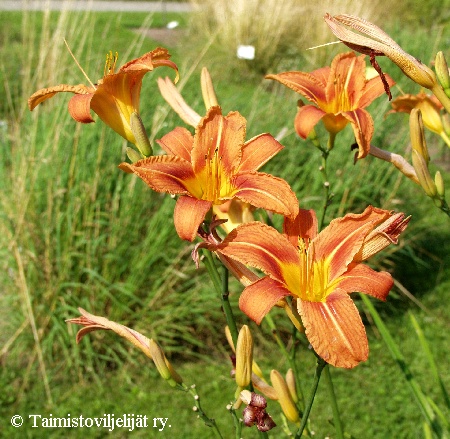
75,231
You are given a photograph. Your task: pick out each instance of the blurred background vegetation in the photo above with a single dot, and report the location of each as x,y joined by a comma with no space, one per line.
76,231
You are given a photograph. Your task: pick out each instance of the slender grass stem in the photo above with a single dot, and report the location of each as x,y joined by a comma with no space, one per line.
321,364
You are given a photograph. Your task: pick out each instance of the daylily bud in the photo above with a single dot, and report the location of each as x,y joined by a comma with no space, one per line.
244,357
439,182
208,93
418,141
427,183
138,130
133,155
284,396
292,386
161,363
264,388
229,338
442,72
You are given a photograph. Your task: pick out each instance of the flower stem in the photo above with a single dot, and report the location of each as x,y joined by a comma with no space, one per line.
221,286
334,406
210,422
319,368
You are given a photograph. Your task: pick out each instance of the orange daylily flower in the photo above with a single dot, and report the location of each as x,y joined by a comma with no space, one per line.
340,94
115,97
212,167
318,270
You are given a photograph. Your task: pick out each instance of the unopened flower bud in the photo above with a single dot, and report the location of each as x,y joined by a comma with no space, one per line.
418,141
442,72
292,386
138,130
439,182
284,397
427,183
133,155
244,357
208,93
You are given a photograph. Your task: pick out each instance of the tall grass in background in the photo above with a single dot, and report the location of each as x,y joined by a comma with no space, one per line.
280,31
76,231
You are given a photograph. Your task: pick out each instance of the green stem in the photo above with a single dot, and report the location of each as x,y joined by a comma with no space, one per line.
320,366
439,92
336,416
221,286
210,422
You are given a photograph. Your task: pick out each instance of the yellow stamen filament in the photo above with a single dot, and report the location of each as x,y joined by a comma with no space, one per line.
217,186
313,274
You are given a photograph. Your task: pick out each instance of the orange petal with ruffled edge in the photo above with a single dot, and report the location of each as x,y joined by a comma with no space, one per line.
335,330
189,213
342,239
304,225
266,191
361,278
373,89
362,124
163,173
258,151
80,108
47,93
306,119
219,138
178,142
262,247
257,299
308,85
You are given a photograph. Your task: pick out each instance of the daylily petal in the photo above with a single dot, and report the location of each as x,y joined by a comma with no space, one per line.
80,108
361,278
343,238
188,215
178,142
173,97
308,85
362,124
306,119
46,93
218,136
262,247
304,225
258,151
257,299
266,191
373,89
163,173
346,80
335,330
156,58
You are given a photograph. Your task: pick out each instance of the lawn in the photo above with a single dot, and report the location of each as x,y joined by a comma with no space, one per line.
76,231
